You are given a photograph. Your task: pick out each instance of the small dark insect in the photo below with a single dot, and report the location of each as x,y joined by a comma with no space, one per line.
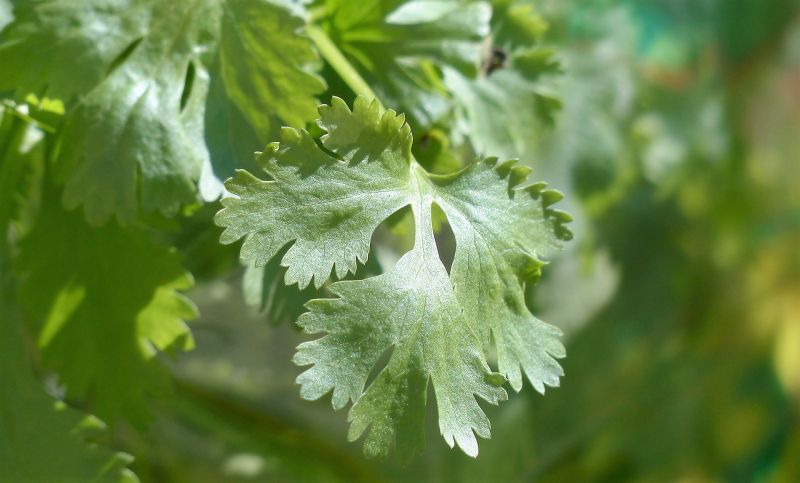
495,60
424,140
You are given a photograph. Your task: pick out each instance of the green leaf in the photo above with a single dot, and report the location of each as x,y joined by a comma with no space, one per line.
421,37
42,440
18,147
506,112
135,76
438,327
301,201
508,106
132,141
5,13
260,53
108,303
264,288
64,49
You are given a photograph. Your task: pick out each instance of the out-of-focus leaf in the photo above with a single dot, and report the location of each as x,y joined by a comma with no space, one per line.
106,303
421,36
260,51
5,13
506,111
516,25
40,439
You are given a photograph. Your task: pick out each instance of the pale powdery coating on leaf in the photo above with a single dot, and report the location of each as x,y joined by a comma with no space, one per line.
439,328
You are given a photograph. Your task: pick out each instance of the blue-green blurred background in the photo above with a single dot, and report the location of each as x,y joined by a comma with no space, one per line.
678,148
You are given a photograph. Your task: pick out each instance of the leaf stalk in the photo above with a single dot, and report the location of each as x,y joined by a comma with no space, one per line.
333,56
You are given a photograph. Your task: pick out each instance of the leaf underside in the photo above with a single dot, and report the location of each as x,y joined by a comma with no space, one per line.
324,202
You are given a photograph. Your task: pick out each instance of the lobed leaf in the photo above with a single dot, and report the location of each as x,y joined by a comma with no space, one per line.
324,201
108,302
135,76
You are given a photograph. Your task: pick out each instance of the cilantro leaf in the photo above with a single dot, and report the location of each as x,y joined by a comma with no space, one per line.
313,190
422,36
325,204
135,76
108,303
413,309
64,49
40,439
260,51
263,288
135,140
499,231
506,108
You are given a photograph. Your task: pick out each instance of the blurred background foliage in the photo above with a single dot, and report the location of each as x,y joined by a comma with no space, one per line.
673,127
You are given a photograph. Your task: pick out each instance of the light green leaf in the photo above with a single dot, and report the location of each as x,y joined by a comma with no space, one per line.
5,13
135,77
506,109
264,288
107,302
421,35
506,112
439,327
313,190
499,231
413,310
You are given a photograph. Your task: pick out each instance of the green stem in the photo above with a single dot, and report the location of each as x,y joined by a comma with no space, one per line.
317,13
331,53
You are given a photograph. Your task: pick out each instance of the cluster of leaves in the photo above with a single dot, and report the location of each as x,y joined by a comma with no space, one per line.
122,117
684,181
